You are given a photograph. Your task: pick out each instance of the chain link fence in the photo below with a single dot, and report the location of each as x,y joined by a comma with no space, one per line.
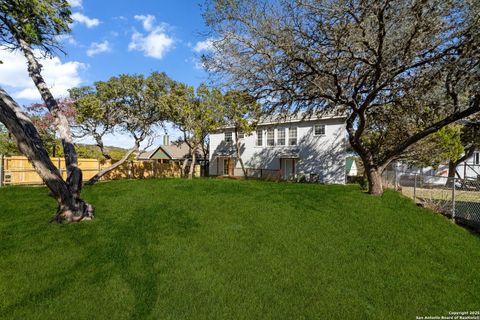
456,198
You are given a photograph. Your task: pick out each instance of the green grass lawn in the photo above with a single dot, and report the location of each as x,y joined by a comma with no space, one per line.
221,249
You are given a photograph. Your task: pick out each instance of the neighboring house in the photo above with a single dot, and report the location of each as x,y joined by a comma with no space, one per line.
351,167
470,168
284,147
176,152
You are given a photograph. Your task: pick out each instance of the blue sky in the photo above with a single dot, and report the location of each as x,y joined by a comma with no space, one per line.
114,37
178,21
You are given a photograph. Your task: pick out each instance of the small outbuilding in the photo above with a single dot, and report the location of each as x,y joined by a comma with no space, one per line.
351,167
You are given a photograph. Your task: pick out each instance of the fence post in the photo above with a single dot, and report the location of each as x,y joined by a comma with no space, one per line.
1,170
415,188
453,199
395,186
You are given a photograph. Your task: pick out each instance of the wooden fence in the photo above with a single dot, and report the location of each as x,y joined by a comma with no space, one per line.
17,170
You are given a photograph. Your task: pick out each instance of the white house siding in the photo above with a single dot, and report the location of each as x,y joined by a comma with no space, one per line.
470,168
321,155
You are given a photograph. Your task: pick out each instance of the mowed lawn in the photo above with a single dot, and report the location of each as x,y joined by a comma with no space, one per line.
222,249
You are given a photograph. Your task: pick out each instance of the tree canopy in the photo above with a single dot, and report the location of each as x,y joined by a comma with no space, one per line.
196,113
131,104
38,22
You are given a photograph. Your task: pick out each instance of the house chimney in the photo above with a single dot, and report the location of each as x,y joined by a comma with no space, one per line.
166,140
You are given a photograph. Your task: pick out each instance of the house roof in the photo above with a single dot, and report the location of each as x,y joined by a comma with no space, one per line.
146,155
176,151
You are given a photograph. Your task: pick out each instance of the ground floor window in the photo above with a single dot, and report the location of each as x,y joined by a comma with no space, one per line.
225,166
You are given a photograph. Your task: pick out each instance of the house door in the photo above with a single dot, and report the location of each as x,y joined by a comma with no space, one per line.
225,167
288,168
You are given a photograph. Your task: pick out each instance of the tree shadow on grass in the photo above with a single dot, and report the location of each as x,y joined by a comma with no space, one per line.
126,253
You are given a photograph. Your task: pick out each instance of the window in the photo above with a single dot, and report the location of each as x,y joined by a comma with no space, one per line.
241,135
281,136
226,164
319,129
228,137
292,137
476,158
270,138
259,138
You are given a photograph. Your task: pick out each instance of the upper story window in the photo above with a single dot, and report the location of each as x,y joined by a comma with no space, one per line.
241,135
476,158
319,129
228,137
292,136
281,136
270,138
259,141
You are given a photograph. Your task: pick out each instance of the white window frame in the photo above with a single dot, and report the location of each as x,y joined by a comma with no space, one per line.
322,130
241,135
270,137
230,134
291,138
281,140
259,138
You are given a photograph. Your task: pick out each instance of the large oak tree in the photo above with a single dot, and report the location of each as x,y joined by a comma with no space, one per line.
372,60
196,113
131,104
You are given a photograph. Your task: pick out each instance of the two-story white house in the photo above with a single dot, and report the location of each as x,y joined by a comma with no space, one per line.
284,147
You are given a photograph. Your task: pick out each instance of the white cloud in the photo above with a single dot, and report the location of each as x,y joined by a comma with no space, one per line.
67,38
98,47
81,18
59,76
148,21
203,46
75,3
153,44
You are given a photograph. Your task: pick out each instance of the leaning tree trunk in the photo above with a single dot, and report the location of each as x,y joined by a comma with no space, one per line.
70,207
374,176
74,174
101,146
117,164
192,165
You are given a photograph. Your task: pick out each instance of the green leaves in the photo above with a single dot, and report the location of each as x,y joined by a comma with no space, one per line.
7,145
196,113
38,22
241,110
133,104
